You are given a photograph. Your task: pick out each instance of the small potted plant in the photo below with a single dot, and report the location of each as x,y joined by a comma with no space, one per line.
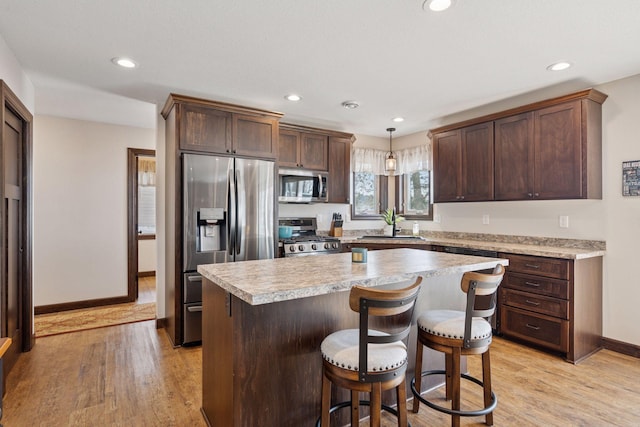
388,217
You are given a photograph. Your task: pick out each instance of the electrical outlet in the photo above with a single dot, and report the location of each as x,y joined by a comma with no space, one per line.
437,218
485,219
563,221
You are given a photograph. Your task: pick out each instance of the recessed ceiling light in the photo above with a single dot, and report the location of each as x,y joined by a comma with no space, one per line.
124,62
559,66
293,97
350,105
437,5
398,119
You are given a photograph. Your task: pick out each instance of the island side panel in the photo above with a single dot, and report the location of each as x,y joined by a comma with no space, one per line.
586,334
218,397
280,370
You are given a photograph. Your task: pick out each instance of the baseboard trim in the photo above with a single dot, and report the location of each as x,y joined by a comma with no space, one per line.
146,273
74,305
621,347
160,323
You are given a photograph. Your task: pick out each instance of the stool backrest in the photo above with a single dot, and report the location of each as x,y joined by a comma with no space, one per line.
396,304
476,284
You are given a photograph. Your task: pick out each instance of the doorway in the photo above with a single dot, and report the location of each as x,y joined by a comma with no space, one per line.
16,296
141,216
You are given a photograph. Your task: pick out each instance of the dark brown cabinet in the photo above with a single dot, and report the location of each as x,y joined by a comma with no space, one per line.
463,164
553,303
303,149
194,125
212,127
547,150
339,169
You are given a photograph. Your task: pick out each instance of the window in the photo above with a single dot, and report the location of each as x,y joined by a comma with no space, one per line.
414,195
369,195
146,196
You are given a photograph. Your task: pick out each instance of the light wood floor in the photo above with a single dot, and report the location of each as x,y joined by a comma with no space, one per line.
129,375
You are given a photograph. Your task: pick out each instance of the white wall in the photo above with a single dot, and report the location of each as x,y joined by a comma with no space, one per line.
80,208
147,255
13,75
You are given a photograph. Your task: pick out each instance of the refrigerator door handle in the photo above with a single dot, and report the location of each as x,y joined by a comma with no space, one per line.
241,206
231,213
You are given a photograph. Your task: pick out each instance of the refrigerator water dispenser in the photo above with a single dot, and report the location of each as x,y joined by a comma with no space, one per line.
209,222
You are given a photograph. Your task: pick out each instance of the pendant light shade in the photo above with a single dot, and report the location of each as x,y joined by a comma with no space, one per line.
390,162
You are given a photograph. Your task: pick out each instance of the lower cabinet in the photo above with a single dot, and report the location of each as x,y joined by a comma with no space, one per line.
553,303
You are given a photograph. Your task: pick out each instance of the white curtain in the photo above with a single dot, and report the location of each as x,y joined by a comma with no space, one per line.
414,159
409,160
368,160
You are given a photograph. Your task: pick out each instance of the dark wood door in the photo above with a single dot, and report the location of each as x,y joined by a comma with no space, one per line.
339,169
446,166
255,136
558,152
205,129
514,157
11,280
289,148
477,163
314,151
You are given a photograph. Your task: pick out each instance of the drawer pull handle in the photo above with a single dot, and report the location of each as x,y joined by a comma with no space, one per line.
537,328
532,266
532,302
535,285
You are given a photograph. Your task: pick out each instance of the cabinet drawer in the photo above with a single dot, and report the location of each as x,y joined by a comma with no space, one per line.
540,304
548,267
537,285
539,329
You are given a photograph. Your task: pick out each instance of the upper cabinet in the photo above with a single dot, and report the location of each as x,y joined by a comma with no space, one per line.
339,169
547,150
303,149
214,127
318,149
463,164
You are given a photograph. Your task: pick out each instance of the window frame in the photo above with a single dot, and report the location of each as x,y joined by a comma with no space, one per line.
383,197
401,198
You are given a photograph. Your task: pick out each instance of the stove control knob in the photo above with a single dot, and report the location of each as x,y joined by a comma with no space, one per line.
334,245
314,246
292,248
301,248
327,245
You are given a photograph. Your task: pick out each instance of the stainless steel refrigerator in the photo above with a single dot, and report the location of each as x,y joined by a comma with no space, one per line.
228,216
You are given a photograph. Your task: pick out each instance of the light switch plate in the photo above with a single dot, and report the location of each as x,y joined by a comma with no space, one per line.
485,219
563,221
437,218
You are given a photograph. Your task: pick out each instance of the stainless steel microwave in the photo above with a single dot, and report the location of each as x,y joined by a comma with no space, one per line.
302,186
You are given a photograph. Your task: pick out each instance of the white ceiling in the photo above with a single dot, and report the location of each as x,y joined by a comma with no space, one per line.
389,55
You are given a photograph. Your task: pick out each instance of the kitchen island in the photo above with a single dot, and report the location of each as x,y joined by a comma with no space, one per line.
263,322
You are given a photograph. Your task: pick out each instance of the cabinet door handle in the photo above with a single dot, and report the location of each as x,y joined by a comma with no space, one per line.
462,197
532,266
535,285
532,302
536,194
537,328
530,195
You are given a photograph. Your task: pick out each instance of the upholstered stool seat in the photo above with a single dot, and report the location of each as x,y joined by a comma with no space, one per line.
456,334
450,324
342,349
372,358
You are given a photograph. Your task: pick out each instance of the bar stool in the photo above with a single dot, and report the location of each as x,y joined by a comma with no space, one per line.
370,360
460,333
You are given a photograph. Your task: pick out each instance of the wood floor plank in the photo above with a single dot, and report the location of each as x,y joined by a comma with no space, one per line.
130,375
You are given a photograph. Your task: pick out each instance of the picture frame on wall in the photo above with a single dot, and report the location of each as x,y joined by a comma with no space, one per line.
631,178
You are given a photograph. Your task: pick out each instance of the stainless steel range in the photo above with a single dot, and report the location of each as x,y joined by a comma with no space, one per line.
304,240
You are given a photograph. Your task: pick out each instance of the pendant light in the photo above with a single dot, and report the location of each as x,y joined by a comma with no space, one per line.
390,162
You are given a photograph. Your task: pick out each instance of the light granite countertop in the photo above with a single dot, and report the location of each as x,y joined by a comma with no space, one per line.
537,246
267,281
